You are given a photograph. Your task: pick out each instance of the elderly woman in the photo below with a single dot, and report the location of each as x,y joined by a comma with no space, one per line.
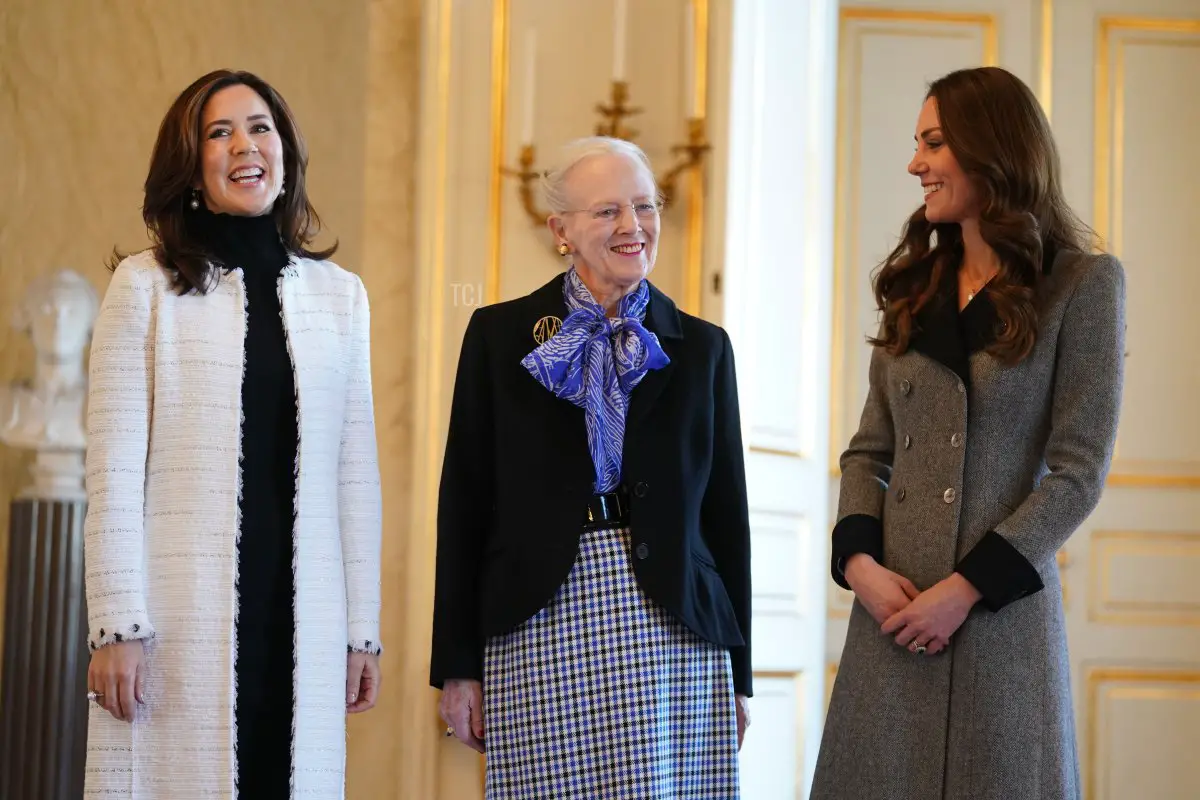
233,528
995,388
591,628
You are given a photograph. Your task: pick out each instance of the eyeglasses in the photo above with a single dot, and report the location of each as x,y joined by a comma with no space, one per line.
644,210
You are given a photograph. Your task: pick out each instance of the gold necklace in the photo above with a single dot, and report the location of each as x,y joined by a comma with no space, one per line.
971,293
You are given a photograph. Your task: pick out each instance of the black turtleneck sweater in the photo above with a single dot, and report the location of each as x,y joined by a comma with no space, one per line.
270,437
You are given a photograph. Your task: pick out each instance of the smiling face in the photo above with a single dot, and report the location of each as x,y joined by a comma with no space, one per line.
612,224
949,194
241,164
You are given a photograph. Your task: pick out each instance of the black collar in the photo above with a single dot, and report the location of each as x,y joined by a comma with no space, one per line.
950,336
252,244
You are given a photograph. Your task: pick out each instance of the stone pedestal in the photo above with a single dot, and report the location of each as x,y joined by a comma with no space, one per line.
43,702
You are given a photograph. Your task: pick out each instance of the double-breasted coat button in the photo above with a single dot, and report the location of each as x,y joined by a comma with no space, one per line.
907,441
956,440
900,495
642,551
949,495
640,489
905,386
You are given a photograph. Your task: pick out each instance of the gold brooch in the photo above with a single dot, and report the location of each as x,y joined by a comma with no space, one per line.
545,328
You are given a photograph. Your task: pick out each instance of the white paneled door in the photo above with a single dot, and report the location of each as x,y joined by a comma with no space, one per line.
775,268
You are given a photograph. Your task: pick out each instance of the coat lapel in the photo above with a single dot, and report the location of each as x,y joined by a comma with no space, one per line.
937,333
545,316
951,337
662,319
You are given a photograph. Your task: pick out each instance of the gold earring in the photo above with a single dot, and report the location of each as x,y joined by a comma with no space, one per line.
564,249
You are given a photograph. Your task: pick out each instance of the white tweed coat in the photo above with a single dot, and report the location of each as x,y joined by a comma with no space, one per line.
163,482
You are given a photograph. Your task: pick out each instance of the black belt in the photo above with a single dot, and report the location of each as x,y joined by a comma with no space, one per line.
607,509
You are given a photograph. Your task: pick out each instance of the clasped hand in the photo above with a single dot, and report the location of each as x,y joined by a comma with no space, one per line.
917,619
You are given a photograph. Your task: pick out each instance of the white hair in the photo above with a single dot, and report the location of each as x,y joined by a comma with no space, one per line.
554,180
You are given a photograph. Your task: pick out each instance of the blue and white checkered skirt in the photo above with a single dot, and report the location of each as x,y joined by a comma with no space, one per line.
603,695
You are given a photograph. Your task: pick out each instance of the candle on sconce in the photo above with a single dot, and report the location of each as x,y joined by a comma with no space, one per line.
689,62
530,84
622,12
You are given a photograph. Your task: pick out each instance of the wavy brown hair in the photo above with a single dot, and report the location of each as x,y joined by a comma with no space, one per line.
995,128
175,167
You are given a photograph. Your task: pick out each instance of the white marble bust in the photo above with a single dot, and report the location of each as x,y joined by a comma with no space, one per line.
47,415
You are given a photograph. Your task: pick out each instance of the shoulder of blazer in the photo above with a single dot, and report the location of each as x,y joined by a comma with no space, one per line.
701,336
543,301
325,273
143,267
1072,268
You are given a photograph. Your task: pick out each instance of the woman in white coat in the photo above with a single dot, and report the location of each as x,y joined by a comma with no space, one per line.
233,528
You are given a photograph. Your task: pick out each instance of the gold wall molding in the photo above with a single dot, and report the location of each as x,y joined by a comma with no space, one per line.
1102,684
776,451
420,732
1109,176
694,248
1107,546
846,222
831,673
694,232
1046,58
843,601
499,95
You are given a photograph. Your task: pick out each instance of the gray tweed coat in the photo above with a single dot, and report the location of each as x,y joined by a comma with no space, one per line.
963,464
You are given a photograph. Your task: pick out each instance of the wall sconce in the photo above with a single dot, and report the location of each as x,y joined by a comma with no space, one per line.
688,156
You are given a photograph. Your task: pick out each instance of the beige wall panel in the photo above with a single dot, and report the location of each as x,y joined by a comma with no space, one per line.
1146,201
1127,755
1145,578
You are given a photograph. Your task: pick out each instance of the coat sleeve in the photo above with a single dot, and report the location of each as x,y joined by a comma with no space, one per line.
1088,380
360,515
120,396
724,511
464,513
866,468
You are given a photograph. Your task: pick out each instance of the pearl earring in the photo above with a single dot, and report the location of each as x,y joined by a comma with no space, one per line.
195,204
564,249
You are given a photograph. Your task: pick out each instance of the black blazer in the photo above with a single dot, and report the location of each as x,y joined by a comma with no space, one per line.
517,476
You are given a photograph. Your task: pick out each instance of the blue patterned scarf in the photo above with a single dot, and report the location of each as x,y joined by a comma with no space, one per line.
595,362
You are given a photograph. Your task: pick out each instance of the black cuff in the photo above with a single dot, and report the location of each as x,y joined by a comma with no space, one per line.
856,533
999,572
465,664
743,676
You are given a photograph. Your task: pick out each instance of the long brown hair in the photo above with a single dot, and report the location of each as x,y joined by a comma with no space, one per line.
995,128
175,164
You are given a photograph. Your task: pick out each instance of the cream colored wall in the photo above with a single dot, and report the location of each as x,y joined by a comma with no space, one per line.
83,87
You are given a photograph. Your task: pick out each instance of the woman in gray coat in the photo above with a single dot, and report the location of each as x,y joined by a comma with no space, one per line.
987,434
